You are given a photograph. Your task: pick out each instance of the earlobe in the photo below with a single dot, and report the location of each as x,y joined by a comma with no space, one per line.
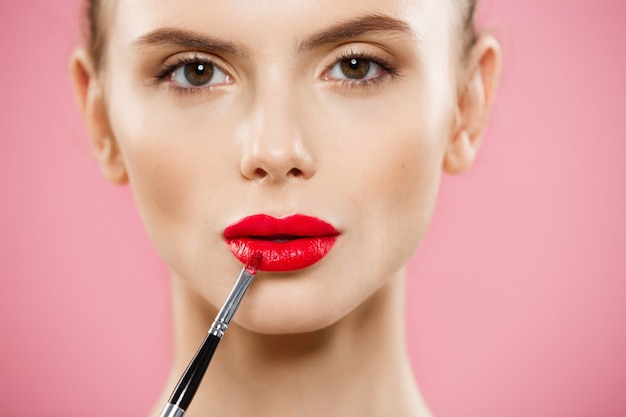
461,153
90,99
474,103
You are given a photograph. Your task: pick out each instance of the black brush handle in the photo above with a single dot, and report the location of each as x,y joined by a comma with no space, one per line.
190,381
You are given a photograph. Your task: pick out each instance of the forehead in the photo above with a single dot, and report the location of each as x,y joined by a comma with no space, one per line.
259,22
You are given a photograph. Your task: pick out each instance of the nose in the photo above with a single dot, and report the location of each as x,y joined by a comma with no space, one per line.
275,147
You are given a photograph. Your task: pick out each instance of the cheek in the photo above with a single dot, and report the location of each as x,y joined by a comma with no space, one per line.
175,165
162,183
402,191
392,176
411,193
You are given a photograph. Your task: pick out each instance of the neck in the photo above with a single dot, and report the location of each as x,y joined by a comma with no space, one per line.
358,366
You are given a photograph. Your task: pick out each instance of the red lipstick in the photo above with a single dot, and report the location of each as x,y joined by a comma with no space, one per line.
286,244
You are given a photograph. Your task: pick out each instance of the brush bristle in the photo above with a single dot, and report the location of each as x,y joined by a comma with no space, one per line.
255,262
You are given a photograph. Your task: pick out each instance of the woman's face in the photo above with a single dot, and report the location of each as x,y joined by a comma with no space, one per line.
337,110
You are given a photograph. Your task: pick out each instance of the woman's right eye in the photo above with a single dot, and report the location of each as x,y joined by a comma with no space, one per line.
198,74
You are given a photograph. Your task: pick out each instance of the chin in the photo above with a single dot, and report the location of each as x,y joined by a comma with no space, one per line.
285,324
288,309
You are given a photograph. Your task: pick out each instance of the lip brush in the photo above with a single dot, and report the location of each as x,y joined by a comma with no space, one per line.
190,380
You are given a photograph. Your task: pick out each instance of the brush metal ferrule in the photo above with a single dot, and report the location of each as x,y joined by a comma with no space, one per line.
229,308
218,329
172,410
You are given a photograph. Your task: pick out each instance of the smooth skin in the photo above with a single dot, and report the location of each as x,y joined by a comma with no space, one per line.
284,125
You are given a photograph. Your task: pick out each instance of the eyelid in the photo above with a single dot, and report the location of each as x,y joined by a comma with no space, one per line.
172,63
359,53
335,72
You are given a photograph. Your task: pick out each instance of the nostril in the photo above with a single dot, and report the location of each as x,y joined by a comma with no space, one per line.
295,172
260,172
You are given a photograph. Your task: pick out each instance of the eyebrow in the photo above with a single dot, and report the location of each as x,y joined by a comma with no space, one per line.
188,39
371,23
353,28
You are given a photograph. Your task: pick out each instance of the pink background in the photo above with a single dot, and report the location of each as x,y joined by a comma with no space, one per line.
517,300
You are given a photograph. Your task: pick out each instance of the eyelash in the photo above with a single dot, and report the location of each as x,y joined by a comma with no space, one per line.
388,69
165,74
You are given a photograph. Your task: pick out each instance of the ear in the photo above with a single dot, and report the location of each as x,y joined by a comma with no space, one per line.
90,98
479,83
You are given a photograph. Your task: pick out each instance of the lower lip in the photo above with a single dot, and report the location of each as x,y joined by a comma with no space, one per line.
285,256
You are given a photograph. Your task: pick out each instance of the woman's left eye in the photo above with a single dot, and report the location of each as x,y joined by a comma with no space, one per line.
198,74
355,70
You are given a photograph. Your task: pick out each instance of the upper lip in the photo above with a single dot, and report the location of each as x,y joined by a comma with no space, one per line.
293,226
